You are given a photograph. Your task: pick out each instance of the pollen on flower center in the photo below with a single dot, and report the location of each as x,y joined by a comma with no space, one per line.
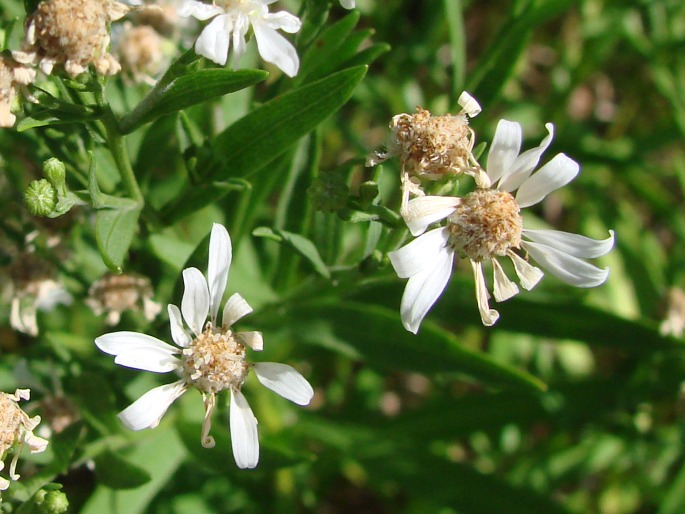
215,361
486,224
10,421
431,145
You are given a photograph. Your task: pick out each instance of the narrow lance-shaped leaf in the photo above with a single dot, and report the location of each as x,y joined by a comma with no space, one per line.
299,243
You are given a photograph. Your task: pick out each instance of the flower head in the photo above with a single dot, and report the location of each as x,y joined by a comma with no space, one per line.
210,357
74,33
115,294
232,19
16,430
487,224
12,77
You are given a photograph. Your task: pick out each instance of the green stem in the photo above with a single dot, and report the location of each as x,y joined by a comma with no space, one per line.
117,146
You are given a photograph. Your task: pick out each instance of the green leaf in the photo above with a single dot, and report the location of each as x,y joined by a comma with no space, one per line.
114,229
259,138
184,91
378,335
50,117
117,473
299,243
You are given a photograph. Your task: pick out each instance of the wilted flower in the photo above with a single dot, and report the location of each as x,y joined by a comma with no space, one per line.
487,224
233,18
674,322
430,147
74,33
141,53
13,76
114,294
16,430
35,287
211,358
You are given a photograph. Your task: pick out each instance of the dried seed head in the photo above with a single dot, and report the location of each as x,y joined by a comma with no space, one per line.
12,76
74,33
113,294
141,53
215,361
487,223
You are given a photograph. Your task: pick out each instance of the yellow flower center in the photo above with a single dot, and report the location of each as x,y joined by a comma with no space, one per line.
486,224
215,361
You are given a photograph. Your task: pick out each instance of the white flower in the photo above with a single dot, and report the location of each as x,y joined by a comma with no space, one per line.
211,357
487,224
233,18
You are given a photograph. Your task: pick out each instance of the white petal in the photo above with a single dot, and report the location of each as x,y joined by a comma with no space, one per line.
468,104
424,210
198,10
572,244
525,163
424,288
275,49
148,359
147,411
504,150
556,173
420,254
528,275
503,287
236,307
116,343
178,333
284,380
240,28
36,444
347,4
570,269
244,437
283,21
214,41
220,256
252,339
487,315
195,302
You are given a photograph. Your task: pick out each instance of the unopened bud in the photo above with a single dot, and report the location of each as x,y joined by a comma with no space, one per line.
40,197
55,502
55,171
329,191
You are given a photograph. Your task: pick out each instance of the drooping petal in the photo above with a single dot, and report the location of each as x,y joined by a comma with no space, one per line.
236,307
198,10
503,288
528,275
505,148
525,163
36,444
252,339
244,437
570,269
147,411
556,173
468,104
284,21
420,254
284,380
220,256
209,401
240,28
214,41
487,315
424,288
178,332
195,302
276,49
424,210
116,343
572,244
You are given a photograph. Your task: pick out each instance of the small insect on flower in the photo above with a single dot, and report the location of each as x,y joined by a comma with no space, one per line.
211,357
487,224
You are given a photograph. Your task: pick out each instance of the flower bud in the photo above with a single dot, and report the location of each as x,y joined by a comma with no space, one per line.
40,197
55,171
328,192
54,502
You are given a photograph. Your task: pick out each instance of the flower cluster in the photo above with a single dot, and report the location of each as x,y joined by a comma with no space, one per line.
486,224
210,357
